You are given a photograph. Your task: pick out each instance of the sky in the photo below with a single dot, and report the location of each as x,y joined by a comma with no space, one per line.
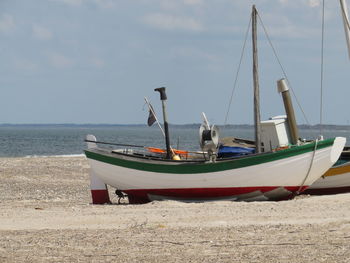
94,61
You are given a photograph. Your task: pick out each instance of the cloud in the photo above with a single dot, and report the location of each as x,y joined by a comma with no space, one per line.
7,23
59,61
192,2
314,3
300,3
99,3
172,5
279,25
194,53
97,62
41,33
170,22
70,2
105,3
25,65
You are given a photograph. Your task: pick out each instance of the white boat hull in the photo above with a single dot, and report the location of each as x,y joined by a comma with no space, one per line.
266,180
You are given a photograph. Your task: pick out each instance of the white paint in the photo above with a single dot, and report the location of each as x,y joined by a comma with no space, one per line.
95,182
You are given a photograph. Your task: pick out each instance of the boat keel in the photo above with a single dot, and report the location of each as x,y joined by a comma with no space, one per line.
248,194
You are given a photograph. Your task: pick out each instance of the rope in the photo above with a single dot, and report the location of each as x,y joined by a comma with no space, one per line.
283,71
311,163
238,70
322,71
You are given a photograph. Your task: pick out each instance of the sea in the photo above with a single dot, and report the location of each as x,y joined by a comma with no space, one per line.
68,140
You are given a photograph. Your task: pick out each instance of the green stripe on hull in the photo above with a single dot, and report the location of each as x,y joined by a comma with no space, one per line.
193,168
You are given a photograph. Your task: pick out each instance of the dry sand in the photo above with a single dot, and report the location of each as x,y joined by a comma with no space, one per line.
46,216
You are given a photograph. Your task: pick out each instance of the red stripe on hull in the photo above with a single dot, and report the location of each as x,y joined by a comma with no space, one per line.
327,191
140,196
100,197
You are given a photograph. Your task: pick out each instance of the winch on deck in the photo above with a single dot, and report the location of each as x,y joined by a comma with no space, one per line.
208,138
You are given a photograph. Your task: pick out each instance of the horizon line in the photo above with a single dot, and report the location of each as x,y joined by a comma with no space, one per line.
142,124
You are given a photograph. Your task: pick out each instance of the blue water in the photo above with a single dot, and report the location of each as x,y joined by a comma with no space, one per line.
19,141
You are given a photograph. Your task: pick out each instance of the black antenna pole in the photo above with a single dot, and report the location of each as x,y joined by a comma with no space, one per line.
163,98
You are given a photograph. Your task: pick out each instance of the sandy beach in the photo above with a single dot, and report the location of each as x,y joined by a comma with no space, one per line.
46,216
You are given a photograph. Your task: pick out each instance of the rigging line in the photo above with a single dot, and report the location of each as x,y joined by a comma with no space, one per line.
310,166
238,70
322,68
283,71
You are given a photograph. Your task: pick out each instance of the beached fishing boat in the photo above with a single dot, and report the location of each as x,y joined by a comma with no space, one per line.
279,166
266,176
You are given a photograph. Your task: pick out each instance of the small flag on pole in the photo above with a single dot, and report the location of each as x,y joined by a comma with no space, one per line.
151,117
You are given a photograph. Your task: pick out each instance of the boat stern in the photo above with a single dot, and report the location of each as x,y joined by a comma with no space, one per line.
338,146
99,190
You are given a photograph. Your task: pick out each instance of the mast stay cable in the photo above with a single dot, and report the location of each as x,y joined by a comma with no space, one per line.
238,70
278,61
283,71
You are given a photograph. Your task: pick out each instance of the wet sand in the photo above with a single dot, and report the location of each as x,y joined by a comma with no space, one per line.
46,216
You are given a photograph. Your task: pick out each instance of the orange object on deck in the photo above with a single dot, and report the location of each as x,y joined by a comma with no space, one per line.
158,150
281,148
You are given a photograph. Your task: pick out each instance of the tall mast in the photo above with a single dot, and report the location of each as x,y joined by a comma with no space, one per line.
344,12
256,83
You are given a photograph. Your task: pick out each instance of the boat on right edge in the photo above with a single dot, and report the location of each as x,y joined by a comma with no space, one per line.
337,179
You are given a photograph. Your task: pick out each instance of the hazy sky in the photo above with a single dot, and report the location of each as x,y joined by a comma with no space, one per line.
93,61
